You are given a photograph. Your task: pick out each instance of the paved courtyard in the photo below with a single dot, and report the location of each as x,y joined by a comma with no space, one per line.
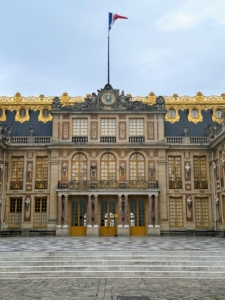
111,243
111,288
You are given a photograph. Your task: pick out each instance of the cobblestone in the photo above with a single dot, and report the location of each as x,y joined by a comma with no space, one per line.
110,289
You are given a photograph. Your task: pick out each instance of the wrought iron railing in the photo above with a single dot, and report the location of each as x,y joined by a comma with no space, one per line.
80,139
108,139
136,139
201,185
41,185
175,184
107,184
16,185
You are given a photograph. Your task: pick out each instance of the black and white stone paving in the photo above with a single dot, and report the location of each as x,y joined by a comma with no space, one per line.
111,243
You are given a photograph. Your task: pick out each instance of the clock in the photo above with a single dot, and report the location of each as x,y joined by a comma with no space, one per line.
108,98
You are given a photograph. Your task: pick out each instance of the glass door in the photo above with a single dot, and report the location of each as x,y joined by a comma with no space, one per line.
78,217
108,217
137,217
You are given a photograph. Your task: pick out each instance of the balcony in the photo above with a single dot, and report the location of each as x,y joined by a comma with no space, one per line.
186,140
16,185
15,140
201,185
107,184
79,139
41,185
108,139
136,139
177,184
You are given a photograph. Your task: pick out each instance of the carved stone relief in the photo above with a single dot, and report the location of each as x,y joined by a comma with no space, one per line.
122,130
29,171
94,130
27,205
65,133
189,209
150,130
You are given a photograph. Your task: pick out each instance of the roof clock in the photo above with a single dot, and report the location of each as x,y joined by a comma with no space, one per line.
108,98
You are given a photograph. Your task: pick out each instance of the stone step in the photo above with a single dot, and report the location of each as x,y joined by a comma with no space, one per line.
118,274
116,253
111,268
126,262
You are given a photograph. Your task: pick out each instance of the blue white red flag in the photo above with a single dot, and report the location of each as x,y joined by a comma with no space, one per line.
113,18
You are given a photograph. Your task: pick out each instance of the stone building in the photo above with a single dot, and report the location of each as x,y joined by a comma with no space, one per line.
110,164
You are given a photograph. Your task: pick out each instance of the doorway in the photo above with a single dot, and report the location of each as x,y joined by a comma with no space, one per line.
108,217
78,216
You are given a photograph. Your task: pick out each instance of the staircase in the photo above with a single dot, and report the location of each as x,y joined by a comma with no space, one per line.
131,264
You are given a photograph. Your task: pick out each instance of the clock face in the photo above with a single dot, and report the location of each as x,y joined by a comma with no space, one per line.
108,98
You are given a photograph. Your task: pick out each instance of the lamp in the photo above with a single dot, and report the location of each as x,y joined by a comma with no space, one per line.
185,130
31,129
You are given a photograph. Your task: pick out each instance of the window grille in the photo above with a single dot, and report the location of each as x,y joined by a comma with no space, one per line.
201,212
136,127
108,127
15,215
80,127
40,213
17,169
79,167
137,167
176,212
108,167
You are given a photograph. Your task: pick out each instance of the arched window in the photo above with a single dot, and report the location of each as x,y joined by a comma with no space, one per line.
79,167
137,167
108,167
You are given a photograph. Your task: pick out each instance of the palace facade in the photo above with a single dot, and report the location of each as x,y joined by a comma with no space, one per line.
110,164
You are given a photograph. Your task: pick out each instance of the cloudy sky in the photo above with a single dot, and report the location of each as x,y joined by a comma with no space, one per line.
52,46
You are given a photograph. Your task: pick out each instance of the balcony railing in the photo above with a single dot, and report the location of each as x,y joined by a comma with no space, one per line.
16,185
108,139
80,139
107,184
179,140
31,140
136,139
175,184
198,185
41,185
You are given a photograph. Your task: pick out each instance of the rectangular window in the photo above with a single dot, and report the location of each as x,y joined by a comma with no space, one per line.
199,168
200,180
17,169
136,127
175,172
108,127
80,127
42,168
15,215
40,213
176,212
201,212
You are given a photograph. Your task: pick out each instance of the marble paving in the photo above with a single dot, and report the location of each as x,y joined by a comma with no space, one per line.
111,243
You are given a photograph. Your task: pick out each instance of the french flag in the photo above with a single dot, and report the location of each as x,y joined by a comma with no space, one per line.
113,18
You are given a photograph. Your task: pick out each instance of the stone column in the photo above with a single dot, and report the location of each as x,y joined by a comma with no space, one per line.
120,210
156,211
126,211
89,210
59,211
96,210
150,210
65,212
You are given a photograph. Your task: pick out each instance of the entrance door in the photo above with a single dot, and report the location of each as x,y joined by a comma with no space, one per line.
78,217
108,220
137,217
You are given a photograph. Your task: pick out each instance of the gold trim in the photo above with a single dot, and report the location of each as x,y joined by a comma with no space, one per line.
214,118
65,99
20,119
41,117
3,117
176,118
199,118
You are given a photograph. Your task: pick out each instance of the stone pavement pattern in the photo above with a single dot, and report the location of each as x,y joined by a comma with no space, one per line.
111,243
110,289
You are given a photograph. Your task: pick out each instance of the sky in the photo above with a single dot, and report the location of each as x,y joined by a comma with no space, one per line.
166,46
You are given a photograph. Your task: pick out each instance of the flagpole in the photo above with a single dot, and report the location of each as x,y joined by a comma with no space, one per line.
108,60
